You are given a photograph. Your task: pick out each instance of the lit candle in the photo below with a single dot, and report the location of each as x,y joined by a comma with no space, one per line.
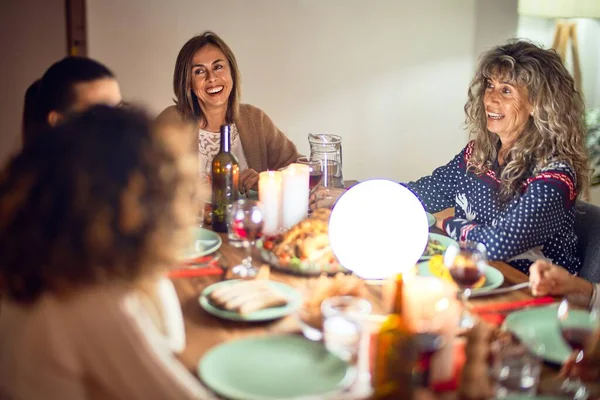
295,194
269,194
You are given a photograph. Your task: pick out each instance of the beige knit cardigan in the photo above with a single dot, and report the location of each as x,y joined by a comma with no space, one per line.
265,146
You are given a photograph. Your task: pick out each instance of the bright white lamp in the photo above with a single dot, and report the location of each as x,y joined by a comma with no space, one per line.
378,228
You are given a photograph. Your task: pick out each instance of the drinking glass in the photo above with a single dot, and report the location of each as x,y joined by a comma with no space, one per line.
247,222
429,336
466,264
516,364
576,327
342,316
316,171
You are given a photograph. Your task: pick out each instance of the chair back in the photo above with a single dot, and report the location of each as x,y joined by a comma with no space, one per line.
587,229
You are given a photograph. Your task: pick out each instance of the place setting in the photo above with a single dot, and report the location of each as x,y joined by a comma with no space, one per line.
337,321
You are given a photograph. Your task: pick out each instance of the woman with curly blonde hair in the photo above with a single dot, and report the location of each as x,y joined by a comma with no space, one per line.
514,186
90,216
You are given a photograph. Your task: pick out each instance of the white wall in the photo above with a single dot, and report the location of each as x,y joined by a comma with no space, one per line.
32,36
390,76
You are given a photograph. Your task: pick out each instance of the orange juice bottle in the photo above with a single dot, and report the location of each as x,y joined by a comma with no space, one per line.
395,353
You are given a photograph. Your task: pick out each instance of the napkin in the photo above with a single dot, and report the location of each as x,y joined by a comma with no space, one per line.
512,305
495,313
201,260
195,272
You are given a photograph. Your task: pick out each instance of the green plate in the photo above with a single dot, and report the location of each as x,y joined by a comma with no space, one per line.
444,240
493,277
267,314
526,397
203,242
273,367
543,321
430,219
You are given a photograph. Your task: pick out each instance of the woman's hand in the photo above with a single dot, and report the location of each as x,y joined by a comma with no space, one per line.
546,278
324,197
441,216
248,180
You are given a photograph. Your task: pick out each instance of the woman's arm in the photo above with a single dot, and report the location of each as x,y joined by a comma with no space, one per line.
437,191
546,278
539,213
124,354
281,151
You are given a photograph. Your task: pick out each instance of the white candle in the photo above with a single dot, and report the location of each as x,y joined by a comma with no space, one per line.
269,194
295,194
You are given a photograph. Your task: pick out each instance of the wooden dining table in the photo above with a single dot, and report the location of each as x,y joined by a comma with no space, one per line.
205,331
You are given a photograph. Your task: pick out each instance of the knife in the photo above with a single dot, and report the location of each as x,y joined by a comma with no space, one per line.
493,292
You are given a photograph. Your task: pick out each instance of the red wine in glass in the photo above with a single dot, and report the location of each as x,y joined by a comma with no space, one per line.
314,179
466,276
248,230
576,337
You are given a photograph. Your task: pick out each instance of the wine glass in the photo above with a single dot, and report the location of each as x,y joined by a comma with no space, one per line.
247,222
466,264
429,335
316,171
576,327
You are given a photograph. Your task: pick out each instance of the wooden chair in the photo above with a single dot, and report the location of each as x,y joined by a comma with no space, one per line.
587,228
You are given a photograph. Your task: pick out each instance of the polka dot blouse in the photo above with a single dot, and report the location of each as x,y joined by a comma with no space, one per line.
538,224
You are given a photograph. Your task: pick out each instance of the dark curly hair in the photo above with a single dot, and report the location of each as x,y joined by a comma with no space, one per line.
103,197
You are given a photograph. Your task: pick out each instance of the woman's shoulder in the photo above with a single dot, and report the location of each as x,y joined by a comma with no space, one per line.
557,166
248,110
170,114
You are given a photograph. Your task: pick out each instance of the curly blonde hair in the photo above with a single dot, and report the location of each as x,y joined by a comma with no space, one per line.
555,131
101,198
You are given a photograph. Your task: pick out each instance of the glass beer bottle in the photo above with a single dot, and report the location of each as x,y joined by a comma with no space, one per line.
225,174
395,353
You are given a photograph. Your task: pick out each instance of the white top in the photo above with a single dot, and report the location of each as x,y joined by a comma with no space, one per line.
208,147
98,344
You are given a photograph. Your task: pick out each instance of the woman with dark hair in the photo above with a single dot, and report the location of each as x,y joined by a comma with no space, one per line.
91,214
27,124
207,89
70,85
513,187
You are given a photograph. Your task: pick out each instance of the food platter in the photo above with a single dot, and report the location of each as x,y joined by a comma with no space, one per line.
304,249
296,266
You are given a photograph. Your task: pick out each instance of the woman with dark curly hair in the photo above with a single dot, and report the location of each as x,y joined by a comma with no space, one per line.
207,86
513,187
90,216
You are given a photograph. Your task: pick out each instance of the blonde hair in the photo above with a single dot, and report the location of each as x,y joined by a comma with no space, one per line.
185,99
555,130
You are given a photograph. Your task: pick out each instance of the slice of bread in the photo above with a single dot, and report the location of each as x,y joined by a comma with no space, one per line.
246,297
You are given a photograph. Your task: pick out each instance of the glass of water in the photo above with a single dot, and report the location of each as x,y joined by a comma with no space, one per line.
342,325
516,367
